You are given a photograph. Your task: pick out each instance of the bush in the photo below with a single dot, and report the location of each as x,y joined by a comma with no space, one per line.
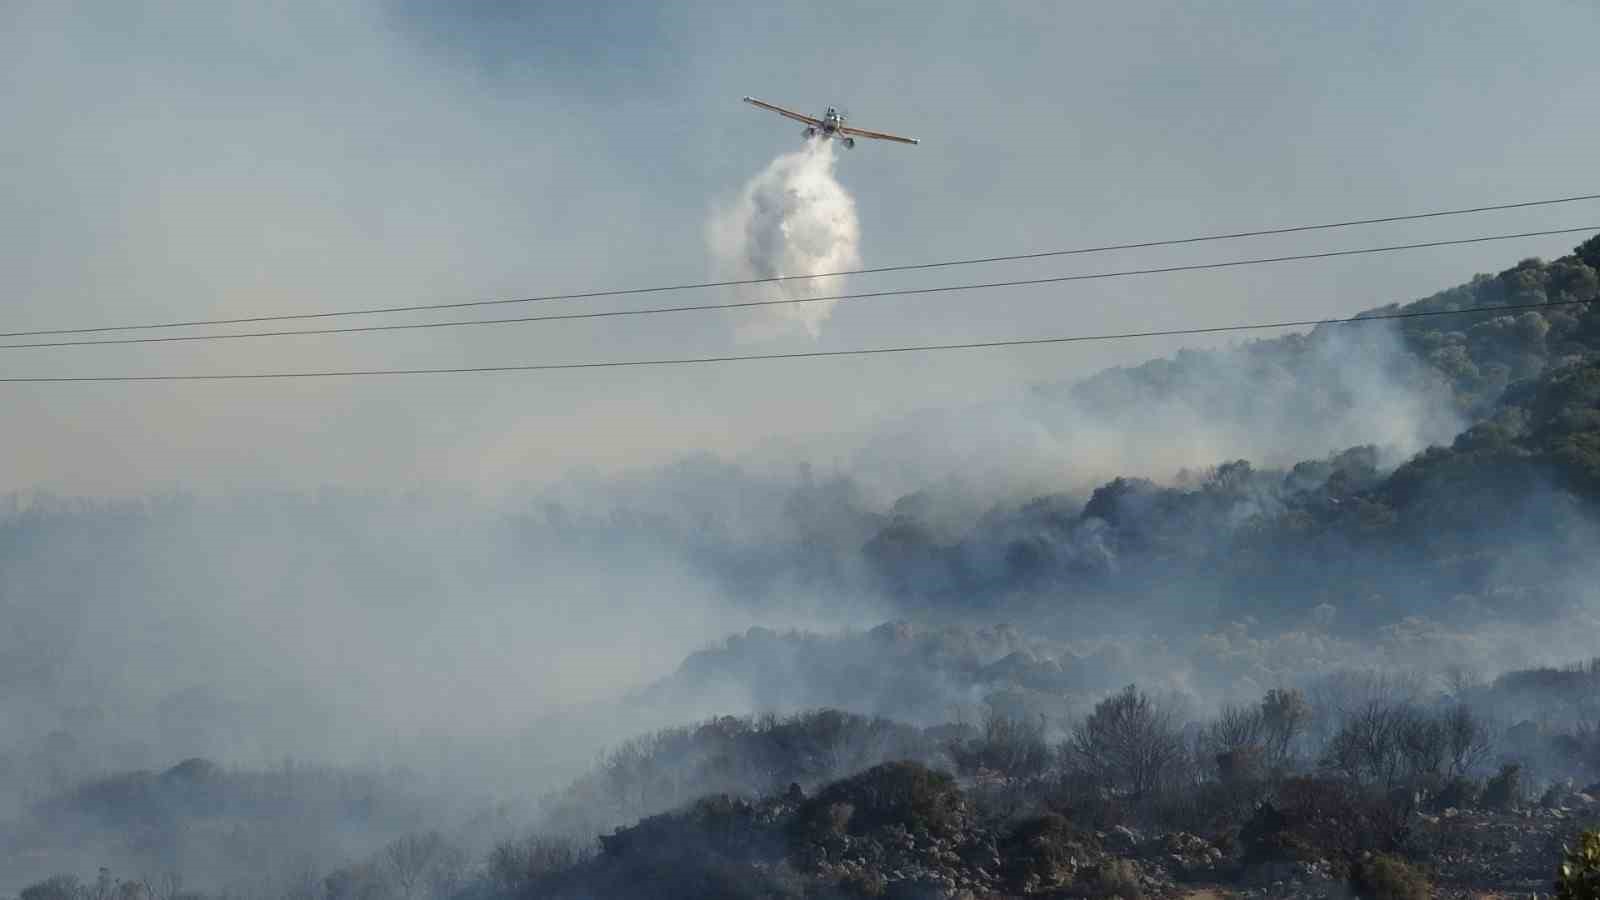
714,826
1114,878
1284,713
59,887
1461,793
425,864
1079,797
1042,853
68,887
717,848
1391,744
1129,744
1387,877
900,793
1210,808
515,865
1579,877
1589,252
1318,818
1504,791
865,883
667,769
360,881
1467,740
1012,746
1556,794
1241,765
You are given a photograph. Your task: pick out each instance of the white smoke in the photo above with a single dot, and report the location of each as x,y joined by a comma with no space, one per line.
794,218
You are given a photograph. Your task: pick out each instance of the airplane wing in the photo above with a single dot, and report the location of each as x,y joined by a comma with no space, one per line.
876,135
783,112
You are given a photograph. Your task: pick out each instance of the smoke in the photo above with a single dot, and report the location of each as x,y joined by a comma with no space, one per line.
794,218
467,649
1274,402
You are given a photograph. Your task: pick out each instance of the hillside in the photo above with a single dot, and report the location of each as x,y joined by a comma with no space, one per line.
1323,489
901,830
1502,507
1448,540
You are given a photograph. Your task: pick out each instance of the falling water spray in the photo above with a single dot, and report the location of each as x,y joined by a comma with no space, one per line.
793,218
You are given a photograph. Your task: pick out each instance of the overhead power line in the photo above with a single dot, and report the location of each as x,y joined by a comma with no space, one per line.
621,292
867,295
809,354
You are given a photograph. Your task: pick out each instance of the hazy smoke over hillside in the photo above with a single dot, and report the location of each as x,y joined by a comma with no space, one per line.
1274,402
794,218
348,638
1211,525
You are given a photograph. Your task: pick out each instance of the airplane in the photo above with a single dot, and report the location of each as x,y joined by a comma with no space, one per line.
830,125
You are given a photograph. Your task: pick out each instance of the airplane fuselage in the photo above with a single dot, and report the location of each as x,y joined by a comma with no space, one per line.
828,126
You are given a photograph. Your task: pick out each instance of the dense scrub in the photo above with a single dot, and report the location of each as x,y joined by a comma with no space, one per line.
755,755
1131,800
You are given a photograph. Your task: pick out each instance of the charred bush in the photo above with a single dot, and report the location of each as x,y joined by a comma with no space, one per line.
57,887
717,847
717,825
1130,744
1012,746
1504,791
516,866
1079,797
1211,808
1388,877
1459,793
1112,878
1317,818
906,794
1046,853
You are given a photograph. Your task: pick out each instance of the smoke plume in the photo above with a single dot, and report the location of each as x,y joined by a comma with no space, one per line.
794,218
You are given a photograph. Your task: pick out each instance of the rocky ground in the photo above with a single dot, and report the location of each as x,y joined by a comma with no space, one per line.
1511,853
1464,853
904,831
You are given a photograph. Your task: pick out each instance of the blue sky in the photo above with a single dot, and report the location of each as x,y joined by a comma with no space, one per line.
196,160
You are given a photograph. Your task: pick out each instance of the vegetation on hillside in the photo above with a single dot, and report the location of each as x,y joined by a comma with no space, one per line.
1065,780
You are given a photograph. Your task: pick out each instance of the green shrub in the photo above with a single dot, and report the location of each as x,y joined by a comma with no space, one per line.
1387,877
1579,877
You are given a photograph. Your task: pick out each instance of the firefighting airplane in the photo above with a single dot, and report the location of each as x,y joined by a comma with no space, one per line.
830,125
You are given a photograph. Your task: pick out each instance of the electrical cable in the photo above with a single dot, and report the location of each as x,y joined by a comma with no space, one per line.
899,292
811,354
583,295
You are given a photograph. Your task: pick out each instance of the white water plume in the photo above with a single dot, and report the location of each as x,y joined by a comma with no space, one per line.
794,218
